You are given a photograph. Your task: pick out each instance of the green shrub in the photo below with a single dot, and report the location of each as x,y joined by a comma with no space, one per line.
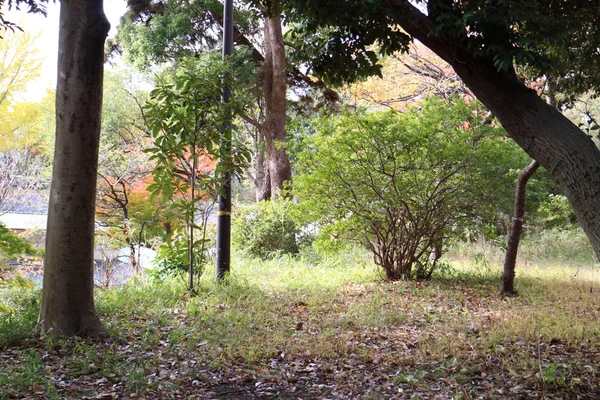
556,212
12,245
172,258
266,228
404,185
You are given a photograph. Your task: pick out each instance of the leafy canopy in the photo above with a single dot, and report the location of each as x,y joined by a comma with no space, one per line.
32,7
552,37
185,117
12,245
153,33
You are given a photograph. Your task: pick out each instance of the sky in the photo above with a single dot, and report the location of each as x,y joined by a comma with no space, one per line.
48,43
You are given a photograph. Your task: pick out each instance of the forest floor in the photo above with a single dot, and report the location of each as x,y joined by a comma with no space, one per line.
283,331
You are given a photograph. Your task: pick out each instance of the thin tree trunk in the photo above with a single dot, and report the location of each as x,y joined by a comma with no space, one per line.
126,229
68,288
262,178
275,87
514,236
263,191
132,257
139,245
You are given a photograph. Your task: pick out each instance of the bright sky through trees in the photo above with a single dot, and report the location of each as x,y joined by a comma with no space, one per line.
48,44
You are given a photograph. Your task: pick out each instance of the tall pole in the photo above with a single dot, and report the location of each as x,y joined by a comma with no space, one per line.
224,212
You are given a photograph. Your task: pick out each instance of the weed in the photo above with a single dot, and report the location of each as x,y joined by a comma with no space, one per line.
405,377
135,380
553,374
27,375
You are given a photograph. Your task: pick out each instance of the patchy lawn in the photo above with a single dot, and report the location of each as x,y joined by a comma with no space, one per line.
285,330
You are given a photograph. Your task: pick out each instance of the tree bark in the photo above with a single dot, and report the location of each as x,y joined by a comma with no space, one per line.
261,180
275,87
545,134
514,235
67,300
263,187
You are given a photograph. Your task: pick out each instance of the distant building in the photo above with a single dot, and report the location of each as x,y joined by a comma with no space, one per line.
26,212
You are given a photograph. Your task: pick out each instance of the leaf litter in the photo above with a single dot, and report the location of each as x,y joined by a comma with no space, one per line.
444,340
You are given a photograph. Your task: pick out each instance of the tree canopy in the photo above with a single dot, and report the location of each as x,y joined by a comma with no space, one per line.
32,6
549,37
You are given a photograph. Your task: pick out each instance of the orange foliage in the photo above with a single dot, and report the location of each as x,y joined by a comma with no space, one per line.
407,79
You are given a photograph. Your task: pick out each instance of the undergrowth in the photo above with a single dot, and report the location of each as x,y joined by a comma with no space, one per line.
282,315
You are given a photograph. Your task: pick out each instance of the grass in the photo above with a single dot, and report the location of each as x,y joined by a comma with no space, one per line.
331,329
19,307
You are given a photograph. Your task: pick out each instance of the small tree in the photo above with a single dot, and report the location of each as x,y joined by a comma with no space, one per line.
123,165
516,228
185,117
400,184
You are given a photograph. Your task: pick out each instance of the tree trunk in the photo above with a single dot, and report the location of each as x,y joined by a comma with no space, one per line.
126,229
514,235
275,87
191,260
261,179
133,259
545,134
68,299
263,187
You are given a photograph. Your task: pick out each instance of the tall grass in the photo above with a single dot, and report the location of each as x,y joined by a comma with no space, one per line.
556,254
308,271
19,309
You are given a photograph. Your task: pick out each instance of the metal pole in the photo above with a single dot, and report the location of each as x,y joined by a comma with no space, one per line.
224,212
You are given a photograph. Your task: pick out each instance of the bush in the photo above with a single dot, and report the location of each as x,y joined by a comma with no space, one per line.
266,228
12,245
172,257
556,212
402,185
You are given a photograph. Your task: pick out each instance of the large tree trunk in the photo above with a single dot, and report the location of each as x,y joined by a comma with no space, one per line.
514,235
67,300
545,134
275,87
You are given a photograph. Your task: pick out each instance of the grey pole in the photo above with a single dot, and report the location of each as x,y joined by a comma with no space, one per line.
224,212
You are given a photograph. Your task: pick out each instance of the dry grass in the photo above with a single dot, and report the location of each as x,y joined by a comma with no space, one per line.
289,330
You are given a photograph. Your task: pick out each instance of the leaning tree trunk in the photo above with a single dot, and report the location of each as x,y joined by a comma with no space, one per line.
275,86
568,154
547,136
514,236
67,299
